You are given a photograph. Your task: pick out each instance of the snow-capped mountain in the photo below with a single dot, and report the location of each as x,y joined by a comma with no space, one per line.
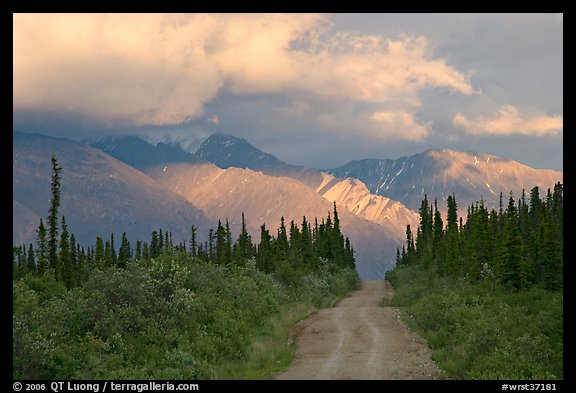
439,173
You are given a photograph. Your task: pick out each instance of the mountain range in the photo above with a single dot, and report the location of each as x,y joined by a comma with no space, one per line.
127,184
439,173
99,194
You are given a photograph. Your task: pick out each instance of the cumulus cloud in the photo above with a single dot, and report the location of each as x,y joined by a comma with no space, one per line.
401,124
508,121
162,69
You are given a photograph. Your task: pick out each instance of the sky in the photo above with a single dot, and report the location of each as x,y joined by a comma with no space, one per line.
313,89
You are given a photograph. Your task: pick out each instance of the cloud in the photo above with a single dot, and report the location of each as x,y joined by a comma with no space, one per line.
163,69
213,120
508,121
401,124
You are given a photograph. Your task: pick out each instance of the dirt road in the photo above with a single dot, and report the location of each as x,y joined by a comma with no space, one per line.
359,339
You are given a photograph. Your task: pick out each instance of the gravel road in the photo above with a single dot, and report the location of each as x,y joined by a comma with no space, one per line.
359,339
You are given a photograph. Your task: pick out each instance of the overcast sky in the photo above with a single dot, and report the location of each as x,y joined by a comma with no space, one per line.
313,89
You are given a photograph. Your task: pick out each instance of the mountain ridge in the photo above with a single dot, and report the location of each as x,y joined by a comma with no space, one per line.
265,199
441,172
99,194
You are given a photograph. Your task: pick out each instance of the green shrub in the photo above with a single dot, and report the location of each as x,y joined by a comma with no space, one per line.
173,318
482,331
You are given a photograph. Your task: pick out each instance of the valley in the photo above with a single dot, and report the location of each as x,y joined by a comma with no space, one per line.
223,176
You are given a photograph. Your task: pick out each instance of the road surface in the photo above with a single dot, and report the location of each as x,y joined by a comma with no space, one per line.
359,339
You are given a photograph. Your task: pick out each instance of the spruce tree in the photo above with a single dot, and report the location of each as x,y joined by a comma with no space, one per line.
99,259
74,272
512,263
113,257
154,245
193,245
31,261
452,239
64,268
83,265
264,252
138,253
227,244
243,249
107,255
53,216
309,256
42,248
124,253
438,246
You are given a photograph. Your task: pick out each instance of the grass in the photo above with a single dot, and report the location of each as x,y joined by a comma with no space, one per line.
482,331
270,351
174,319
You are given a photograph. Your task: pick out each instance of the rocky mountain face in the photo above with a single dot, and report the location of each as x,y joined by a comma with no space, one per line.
439,173
226,151
140,154
99,194
223,176
222,150
356,198
227,193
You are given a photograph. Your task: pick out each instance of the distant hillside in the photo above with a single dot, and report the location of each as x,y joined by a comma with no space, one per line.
439,173
140,154
265,199
99,194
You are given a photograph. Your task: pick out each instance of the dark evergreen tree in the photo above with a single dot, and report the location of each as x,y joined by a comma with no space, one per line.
210,247
42,248
31,261
53,216
138,252
74,276
307,251
83,266
154,245
452,255
64,268
99,259
227,244
113,258
243,248
160,243
107,255
264,252
193,245
124,253
512,262
438,247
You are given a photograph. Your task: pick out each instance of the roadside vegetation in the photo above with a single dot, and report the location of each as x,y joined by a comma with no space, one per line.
487,294
218,310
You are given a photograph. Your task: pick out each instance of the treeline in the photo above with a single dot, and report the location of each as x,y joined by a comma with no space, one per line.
486,291
291,253
518,247
173,311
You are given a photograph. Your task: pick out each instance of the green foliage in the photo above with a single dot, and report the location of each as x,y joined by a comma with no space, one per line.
483,331
522,244
486,294
218,311
179,318
53,216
